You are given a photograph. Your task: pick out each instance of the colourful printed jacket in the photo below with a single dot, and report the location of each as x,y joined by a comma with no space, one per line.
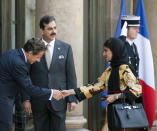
127,82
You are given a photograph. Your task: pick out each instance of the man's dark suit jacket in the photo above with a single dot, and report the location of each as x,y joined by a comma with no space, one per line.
60,76
133,57
14,77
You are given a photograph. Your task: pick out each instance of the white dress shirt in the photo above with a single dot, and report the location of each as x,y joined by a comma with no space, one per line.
52,49
129,41
24,55
51,46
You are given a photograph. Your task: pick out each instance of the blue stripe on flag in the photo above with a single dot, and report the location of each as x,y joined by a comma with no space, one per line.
143,24
122,12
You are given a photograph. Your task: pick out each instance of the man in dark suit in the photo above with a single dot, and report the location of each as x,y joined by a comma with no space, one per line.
14,78
56,71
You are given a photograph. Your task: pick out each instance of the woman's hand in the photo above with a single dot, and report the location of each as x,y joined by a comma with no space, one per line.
66,93
112,98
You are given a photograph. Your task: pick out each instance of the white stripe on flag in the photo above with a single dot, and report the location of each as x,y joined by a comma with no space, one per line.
146,67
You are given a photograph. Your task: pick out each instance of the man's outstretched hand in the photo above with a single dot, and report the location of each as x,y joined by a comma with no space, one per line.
65,93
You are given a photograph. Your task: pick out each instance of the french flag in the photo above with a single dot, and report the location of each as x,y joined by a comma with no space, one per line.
146,67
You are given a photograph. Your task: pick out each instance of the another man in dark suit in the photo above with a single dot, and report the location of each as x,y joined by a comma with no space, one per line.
132,25
14,78
55,71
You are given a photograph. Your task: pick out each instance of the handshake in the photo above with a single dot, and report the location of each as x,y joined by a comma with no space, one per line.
61,94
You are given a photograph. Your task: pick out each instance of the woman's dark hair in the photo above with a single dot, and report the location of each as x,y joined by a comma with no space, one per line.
117,47
36,45
107,43
45,20
119,57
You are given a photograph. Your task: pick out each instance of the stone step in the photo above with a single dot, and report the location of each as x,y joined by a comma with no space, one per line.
78,129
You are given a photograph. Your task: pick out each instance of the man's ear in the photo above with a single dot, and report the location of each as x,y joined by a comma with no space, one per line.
41,31
30,53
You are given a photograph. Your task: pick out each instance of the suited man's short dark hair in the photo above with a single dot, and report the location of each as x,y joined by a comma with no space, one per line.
45,20
36,45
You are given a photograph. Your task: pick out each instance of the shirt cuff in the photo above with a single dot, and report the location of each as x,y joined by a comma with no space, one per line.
51,95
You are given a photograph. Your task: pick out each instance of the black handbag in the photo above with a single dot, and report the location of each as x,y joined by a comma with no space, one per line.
128,116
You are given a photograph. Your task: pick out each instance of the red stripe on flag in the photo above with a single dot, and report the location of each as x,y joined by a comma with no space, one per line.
149,100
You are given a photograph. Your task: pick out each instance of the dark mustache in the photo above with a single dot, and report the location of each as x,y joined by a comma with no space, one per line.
53,34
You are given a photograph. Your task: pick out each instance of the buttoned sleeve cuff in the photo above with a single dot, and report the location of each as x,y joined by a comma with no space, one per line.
51,95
